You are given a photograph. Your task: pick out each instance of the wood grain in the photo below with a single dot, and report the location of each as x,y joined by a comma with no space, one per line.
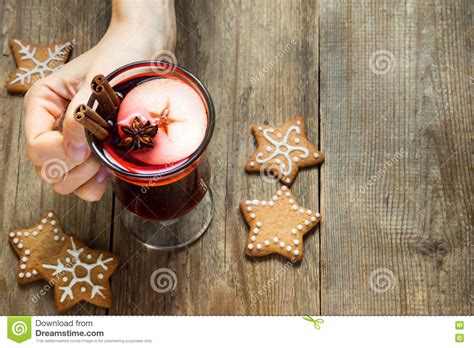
396,187
398,138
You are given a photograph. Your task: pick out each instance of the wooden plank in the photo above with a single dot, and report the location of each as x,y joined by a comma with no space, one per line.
227,49
24,197
396,118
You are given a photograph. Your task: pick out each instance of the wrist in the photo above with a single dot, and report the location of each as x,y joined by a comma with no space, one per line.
150,24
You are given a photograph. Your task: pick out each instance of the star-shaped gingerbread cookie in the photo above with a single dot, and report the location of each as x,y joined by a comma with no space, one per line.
277,225
35,62
80,273
282,150
41,241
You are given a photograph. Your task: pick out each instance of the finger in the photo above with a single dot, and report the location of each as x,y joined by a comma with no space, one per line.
94,189
77,176
75,143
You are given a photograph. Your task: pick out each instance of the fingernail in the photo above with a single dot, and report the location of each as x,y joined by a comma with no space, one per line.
102,175
77,151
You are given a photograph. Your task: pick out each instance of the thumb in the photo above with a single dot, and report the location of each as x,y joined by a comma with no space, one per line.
75,143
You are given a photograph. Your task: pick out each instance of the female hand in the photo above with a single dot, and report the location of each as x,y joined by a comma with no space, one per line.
139,30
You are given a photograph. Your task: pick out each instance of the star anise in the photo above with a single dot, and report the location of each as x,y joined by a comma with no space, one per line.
138,136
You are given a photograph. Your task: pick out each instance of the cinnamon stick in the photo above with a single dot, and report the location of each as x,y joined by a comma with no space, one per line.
105,95
93,115
92,126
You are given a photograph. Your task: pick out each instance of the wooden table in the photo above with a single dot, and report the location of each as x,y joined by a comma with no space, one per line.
386,91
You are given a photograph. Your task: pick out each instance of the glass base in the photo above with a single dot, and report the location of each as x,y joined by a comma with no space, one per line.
171,234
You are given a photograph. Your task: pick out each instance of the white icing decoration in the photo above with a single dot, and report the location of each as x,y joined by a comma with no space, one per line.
40,227
23,266
292,201
258,223
260,128
282,244
288,248
293,231
83,289
250,246
279,135
35,272
284,188
20,245
34,233
253,216
12,234
275,239
19,234
282,148
15,241
24,259
100,276
64,279
89,256
40,67
53,222
56,238
279,193
318,215
302,211
55,230
296,242
26,234
259,246
247,202
313,218
306,222
297,140
264,203
300,227
267,242
28,275
268,148
309,212
294,207
271,203
315,155
255,230
44,221
288,194
249,208
20,275
27,252
50,214
253,238
75,253
255,202
287,180
252,164
275,198
296,252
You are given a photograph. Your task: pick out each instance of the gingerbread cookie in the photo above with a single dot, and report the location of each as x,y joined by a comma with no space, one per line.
282,150
277,225
35,62
43,240
80,273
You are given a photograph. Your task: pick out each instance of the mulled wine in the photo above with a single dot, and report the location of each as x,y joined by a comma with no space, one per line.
158,138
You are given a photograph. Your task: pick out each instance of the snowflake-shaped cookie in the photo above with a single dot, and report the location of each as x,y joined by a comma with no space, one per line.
282,150
80,273
277,225
35,62
43,240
